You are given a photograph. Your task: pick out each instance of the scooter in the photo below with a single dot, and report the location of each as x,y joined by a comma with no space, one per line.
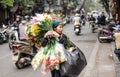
13,36
66,20
106,35
4,34
77,29
22,54
93,27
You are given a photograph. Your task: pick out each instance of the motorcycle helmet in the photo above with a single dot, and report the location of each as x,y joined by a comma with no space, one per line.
77,14
27,17
18,16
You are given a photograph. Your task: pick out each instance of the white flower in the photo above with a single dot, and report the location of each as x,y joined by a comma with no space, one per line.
40,17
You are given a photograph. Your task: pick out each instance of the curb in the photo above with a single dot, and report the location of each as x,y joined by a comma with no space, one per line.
116,62
91,63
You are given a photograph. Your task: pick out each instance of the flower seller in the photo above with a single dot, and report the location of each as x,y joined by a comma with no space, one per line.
62,39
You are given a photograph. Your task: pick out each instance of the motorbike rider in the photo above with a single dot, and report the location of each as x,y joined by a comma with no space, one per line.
16,23
102,19
77,19
83,18
92,19
98,21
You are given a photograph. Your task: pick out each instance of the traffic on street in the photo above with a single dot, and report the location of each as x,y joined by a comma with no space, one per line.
60,38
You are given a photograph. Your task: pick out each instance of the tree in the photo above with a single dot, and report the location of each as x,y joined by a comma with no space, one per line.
105,4
6,3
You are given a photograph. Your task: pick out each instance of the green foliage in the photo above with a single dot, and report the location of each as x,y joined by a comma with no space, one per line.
105,4
6,3
89,5
25,2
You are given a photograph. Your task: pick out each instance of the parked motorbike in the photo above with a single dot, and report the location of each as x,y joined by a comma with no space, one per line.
4,34
22,54
106,35
66,20
77,29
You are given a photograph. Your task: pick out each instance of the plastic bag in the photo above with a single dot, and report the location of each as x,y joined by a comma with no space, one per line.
38,59
54,56
75,63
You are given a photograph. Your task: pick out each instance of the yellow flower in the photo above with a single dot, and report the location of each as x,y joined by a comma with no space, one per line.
62,59
35,29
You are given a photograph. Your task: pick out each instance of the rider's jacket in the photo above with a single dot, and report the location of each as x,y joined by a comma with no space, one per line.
92,19
77,20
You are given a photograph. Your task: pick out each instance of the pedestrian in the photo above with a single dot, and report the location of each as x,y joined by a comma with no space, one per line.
63,39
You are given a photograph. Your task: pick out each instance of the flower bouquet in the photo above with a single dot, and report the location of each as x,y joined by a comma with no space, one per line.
50,57
37,27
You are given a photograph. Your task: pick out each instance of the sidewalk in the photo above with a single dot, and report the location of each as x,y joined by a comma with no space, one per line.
101,64
104,62
116,61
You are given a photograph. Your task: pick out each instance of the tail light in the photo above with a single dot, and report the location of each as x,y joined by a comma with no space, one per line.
77,26
16,47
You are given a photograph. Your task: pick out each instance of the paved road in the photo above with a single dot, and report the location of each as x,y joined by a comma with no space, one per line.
87,42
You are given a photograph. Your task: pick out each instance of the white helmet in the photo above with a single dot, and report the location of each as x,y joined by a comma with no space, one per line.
77,14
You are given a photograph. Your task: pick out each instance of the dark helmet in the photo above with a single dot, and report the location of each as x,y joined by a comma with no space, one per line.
91,15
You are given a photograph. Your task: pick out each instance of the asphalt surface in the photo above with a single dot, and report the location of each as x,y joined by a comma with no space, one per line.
100,63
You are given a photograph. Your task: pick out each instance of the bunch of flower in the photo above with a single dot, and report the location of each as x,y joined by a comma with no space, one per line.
37,27
49,57
54,55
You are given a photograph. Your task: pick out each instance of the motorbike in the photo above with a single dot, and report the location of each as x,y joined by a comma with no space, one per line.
66,20
106,34
22,54
77,29
13,36
93,27
4,34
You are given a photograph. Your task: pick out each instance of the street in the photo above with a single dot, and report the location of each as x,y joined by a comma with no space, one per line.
99,62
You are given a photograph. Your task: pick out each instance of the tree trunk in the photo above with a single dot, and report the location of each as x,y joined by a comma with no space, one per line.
82,5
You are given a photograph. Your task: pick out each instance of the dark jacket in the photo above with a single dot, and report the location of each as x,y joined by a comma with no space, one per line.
92,19
63,40
16,23
98,20
102,19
